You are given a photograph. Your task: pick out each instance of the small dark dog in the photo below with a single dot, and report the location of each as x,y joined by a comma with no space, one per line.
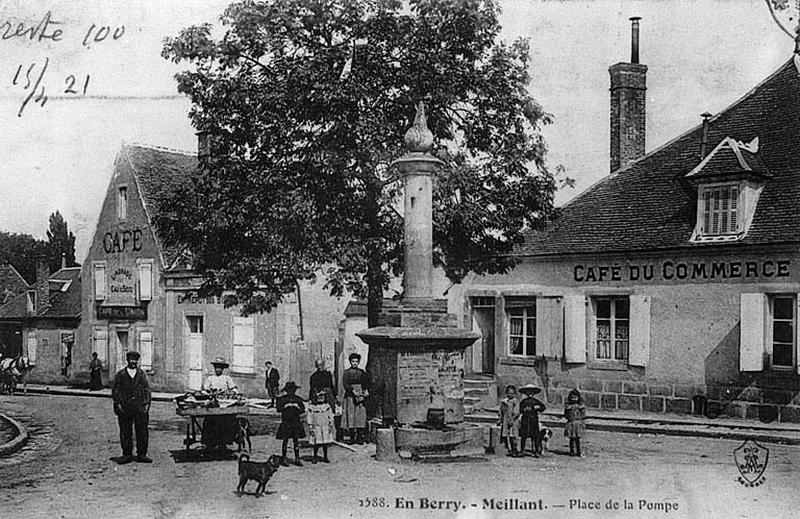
545,434
260,471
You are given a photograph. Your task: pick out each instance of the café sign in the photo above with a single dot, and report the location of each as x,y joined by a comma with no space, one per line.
675,270
122,313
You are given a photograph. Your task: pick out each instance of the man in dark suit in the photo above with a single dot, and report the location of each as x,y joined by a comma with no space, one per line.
272,382
131,394
322,381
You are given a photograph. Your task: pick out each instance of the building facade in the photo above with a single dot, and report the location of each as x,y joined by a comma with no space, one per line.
141,294
41,322
673,284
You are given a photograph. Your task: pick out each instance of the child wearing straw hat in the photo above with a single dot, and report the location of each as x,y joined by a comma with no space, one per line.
529,409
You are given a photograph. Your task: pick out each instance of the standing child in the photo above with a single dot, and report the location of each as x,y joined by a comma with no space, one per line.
291,407
509,420
529,409
320,425
575,413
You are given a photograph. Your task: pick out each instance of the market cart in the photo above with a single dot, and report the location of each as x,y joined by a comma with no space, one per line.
241,412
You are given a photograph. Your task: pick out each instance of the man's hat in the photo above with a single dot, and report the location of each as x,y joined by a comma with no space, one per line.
220,361
354,356
290,385
269,362
530,388
135,355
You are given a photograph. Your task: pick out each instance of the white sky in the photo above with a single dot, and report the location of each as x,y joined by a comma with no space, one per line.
702,55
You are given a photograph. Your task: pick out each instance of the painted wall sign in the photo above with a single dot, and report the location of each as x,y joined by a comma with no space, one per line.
193,298
122,241
126,313
121,281
677,270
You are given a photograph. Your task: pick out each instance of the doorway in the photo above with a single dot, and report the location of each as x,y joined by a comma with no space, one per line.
121,346
194,348
483,322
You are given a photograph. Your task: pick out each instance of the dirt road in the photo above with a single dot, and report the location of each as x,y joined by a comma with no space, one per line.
66,472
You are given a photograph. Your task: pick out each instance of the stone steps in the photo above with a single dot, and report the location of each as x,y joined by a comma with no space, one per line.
479,391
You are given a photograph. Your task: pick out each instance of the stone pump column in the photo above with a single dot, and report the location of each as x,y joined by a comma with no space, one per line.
416,168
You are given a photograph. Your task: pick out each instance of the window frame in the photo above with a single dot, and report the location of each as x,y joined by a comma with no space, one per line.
701,228
243,330
528,332
770,325
592,356
122,202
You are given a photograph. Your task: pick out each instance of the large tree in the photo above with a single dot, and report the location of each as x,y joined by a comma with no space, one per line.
61,243
22,251
307,102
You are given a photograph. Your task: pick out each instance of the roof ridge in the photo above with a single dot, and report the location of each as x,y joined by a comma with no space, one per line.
669,143
161,148
147,212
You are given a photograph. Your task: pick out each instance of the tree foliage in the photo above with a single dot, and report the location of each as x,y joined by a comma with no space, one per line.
61,242
309,100
21,251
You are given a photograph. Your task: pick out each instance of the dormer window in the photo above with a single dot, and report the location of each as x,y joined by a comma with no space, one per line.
31,300
729,181
719,207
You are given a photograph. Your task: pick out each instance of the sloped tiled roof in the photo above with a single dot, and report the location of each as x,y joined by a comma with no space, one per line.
62,303
730,158
160,172
65,303
650,205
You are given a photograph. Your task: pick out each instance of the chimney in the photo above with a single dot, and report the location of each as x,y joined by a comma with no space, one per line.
63,260
628,87
704,139
42,285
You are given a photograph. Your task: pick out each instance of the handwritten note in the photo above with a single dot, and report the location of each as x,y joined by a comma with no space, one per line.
31,78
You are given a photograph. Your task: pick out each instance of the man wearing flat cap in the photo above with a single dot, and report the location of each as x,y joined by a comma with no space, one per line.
130,392
354,413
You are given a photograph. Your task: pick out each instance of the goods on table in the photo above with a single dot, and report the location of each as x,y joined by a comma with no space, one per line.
205,399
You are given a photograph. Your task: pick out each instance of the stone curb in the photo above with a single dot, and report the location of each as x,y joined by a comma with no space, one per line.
727,433
96,394
19,441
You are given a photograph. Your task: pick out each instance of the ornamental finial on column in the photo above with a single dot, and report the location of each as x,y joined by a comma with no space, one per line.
419,137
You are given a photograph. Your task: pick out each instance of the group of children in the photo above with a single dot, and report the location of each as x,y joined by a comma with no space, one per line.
520,419
319,417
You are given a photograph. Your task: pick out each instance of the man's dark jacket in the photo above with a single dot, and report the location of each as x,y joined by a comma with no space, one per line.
274,377
132,394
322,381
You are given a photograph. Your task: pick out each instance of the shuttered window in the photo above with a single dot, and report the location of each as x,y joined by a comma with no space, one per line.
720,210
145,279
32,346
752,331
99,269
612,328
146,349
101,343
575,328
243,345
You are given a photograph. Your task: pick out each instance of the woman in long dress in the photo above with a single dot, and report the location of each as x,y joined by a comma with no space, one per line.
354,414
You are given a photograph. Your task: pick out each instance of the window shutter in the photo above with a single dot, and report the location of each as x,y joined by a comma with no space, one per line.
32,346
145,281
99,281
639,353
146,349
797,334
549,326
575,328
751,332
243,340
101,343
